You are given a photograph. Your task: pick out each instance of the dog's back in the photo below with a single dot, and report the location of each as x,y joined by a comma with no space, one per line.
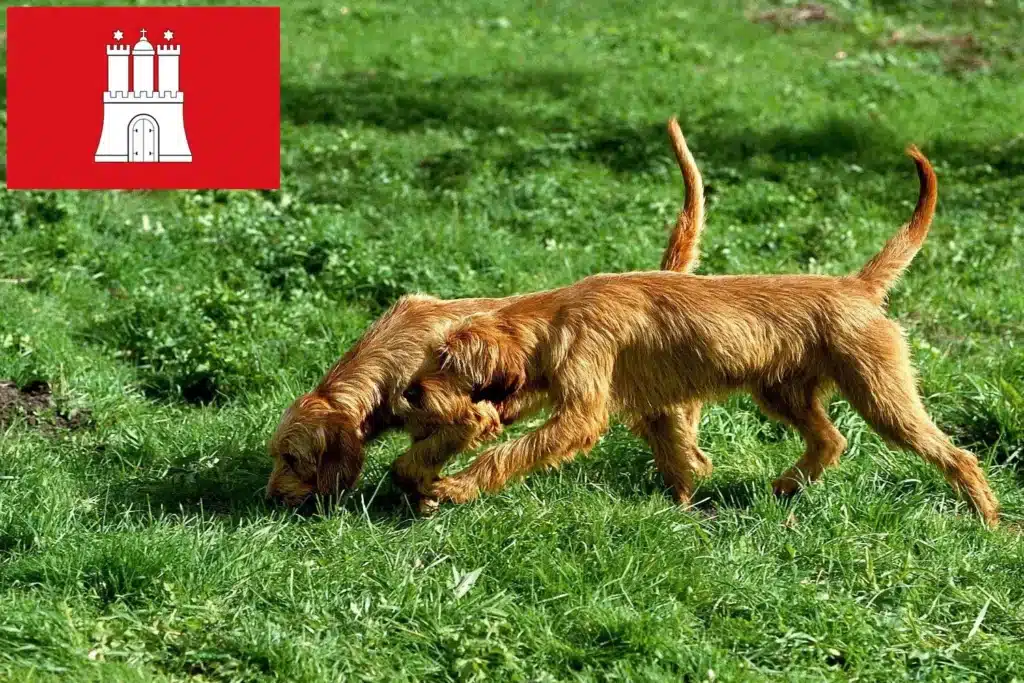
646,344
672,337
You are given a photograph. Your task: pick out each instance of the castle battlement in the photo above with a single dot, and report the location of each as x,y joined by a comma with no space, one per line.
113,50
168,49
146,97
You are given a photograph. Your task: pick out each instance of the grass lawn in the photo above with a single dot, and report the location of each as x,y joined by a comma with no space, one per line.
487,148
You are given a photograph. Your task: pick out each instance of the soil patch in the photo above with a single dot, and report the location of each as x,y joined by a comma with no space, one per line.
34,403
960,52
788,17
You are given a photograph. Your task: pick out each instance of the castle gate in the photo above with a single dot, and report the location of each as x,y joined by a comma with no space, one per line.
143,139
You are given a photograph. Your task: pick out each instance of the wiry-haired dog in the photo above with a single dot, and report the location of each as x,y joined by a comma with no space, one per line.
642,344
318,445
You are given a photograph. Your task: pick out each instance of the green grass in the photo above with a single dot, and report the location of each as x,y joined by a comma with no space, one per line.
487,148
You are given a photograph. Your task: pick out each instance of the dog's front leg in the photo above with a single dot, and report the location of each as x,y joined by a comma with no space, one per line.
572,428
416,470
520,405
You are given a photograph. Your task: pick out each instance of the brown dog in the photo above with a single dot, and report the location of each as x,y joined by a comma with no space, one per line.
643,344
318,445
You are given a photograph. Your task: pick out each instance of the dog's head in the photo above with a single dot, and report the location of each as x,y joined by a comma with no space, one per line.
317,449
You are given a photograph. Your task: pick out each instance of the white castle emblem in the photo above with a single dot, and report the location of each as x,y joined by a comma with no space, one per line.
144,124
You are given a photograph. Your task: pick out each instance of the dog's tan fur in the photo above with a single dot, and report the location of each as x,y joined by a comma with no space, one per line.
645,344
318,445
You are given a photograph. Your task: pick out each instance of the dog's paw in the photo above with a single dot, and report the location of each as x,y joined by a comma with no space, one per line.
453,490
682,498
787,486
426,506
487,420
702,466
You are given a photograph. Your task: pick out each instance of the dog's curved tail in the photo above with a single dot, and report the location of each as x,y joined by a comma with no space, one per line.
882,272
681,254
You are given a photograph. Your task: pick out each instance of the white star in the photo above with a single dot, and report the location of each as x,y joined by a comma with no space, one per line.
168,35
118,35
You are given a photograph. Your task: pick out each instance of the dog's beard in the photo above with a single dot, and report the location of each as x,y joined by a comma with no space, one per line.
287,487
317,450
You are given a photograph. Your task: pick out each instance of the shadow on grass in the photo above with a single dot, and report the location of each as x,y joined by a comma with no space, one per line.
396,102
733,494
236,490
229,490
522,102
628,473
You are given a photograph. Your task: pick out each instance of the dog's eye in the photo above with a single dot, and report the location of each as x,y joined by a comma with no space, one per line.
414,395
289,460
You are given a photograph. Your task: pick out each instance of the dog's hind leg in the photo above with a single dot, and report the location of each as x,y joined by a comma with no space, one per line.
801,406
672,437
878,381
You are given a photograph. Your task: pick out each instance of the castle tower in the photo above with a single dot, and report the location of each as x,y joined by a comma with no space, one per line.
142,65
167,58
144,124
117,68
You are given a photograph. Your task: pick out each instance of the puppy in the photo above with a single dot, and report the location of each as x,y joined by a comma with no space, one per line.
642,344
318,445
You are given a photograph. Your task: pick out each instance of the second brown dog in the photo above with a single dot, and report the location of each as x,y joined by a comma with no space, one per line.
646,344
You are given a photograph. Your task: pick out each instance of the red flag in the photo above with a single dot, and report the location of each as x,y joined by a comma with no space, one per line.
143,97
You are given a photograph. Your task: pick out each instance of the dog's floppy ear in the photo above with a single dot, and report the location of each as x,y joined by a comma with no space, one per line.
485,353
342,459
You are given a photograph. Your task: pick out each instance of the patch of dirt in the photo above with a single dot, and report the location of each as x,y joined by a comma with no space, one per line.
799,15
920,38
961,51
35,404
